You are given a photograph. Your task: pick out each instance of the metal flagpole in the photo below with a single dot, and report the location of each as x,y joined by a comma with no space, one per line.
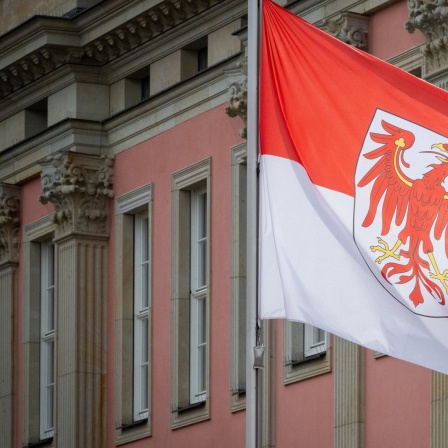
253,375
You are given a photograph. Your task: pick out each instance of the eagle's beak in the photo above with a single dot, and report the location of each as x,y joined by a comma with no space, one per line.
441,147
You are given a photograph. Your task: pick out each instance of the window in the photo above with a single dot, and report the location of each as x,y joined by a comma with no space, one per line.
315,341
144,88
198,296
202,58
141,314
190,295
238,278
47,338
198,57
39,333
306,351
133,315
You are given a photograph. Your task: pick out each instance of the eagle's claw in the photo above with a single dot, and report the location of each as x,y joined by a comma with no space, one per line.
442,277
387,252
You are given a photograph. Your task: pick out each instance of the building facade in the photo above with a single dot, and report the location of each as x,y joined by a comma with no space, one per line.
123,201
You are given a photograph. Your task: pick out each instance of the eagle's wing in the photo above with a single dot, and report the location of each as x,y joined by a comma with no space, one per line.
442,224
387,182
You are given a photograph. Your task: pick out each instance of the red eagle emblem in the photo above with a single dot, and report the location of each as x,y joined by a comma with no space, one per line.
408,207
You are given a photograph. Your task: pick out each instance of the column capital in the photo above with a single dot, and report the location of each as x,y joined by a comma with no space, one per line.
9,223
238,103
79,186
349,27
431,18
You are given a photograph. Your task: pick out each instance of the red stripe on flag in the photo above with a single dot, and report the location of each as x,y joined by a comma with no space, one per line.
319,95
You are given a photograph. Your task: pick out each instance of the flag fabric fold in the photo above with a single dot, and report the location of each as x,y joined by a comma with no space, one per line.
353,196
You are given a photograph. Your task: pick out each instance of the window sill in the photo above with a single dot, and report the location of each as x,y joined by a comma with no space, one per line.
181,409
42,443
299,362
133,424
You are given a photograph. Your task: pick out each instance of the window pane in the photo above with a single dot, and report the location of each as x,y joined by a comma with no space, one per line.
144,388
202,265
50,362
201,321
144,353
201,369
145,286
50,310
50,265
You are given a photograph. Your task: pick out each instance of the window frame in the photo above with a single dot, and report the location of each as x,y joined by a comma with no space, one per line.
34,234
130,424
184,410
47,337
141,315
198,294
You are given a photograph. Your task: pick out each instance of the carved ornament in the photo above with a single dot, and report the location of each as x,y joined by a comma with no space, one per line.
238,103
9,223
350,28
431,18
79,187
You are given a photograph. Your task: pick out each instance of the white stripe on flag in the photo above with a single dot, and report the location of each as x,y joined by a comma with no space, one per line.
312,271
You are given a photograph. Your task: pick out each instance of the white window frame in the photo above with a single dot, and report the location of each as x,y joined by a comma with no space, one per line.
141,315
315,341
35,234
133,310
189,405
48,337
198,295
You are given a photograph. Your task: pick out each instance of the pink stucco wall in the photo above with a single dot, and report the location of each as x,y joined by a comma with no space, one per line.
398,396
304,415
387,34
211,134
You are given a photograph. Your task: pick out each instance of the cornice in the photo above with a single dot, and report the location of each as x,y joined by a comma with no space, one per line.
180,102
25,59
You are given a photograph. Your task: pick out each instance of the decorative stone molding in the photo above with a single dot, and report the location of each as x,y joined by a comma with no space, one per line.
350,28
9,223
238,103
238,88
79,187
431,18
103,49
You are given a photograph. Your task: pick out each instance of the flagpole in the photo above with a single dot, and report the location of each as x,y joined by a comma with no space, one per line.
253,376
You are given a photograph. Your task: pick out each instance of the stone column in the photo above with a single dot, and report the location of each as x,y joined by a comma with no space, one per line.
9,261
349,395
80,186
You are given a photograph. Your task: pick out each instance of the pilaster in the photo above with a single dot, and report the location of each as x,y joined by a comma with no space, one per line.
439,409
79,187
349,395
9,255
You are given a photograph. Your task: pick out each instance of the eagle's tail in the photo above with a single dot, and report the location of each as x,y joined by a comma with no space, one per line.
414,269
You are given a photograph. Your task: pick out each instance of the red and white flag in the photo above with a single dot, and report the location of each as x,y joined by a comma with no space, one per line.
354,193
